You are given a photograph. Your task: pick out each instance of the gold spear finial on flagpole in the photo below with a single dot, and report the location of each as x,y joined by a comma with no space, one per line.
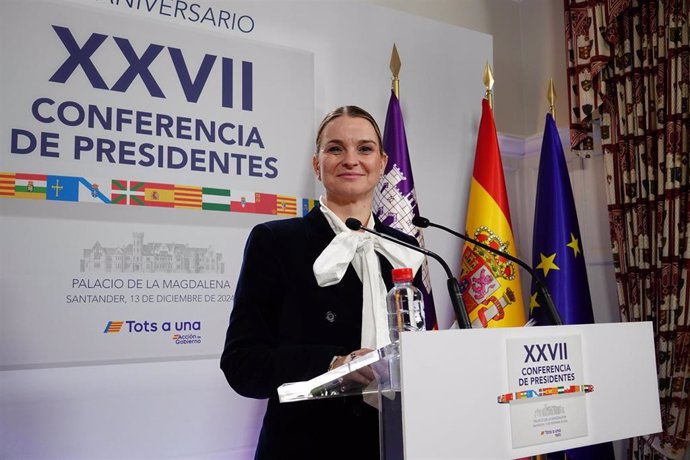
489,84
395,70
551,97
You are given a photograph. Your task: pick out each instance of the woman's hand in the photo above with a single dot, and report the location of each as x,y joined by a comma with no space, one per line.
362,376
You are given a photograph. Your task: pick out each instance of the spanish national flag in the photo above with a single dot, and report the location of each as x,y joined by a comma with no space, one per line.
161,195
151,194
490,284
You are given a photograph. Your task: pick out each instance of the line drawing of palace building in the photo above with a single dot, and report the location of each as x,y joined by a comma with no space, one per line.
140,257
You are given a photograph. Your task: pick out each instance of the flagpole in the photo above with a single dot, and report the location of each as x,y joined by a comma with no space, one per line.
395,70
551,98
488,79
397,184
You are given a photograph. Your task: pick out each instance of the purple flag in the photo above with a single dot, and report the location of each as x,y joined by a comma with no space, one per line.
395,201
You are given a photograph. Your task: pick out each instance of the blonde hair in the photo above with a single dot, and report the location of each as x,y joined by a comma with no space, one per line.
348,111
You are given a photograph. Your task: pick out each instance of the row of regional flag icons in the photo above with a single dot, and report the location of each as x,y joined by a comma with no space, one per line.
138,193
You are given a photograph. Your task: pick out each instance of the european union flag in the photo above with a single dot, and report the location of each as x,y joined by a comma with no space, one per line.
557,256
62,188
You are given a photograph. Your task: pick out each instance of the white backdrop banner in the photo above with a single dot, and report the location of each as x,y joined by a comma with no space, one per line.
124,139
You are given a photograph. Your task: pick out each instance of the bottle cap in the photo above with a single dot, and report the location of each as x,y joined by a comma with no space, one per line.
402,275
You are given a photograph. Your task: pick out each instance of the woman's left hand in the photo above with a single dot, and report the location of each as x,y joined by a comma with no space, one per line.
362,376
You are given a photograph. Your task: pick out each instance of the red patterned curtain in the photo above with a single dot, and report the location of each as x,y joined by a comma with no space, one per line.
629,67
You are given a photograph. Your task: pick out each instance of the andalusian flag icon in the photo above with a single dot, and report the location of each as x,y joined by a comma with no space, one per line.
490,284
215,199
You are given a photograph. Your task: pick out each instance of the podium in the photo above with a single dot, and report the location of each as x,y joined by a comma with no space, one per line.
504,393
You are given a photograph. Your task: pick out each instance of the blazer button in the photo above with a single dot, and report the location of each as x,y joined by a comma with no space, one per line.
330,316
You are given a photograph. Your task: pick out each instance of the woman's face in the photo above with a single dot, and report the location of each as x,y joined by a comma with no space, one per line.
349,161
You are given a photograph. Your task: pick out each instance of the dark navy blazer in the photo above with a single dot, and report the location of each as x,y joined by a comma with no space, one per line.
285,328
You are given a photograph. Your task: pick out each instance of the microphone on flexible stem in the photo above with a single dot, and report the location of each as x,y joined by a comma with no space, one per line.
452,283
423,222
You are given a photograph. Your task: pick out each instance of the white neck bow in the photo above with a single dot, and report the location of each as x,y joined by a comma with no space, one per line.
359,248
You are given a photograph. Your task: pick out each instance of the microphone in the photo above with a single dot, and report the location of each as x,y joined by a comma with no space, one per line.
452,283
423,222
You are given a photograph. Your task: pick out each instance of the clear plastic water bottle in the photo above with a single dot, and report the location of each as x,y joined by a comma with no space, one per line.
405,305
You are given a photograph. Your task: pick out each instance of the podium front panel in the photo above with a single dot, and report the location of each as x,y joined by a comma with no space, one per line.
451,382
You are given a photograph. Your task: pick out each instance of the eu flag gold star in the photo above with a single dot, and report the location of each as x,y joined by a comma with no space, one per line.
574,244
533,302
547,264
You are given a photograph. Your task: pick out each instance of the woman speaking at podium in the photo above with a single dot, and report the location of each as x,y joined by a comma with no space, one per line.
311,296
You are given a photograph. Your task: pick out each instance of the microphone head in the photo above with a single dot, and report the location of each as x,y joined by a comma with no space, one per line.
421,222
353,224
